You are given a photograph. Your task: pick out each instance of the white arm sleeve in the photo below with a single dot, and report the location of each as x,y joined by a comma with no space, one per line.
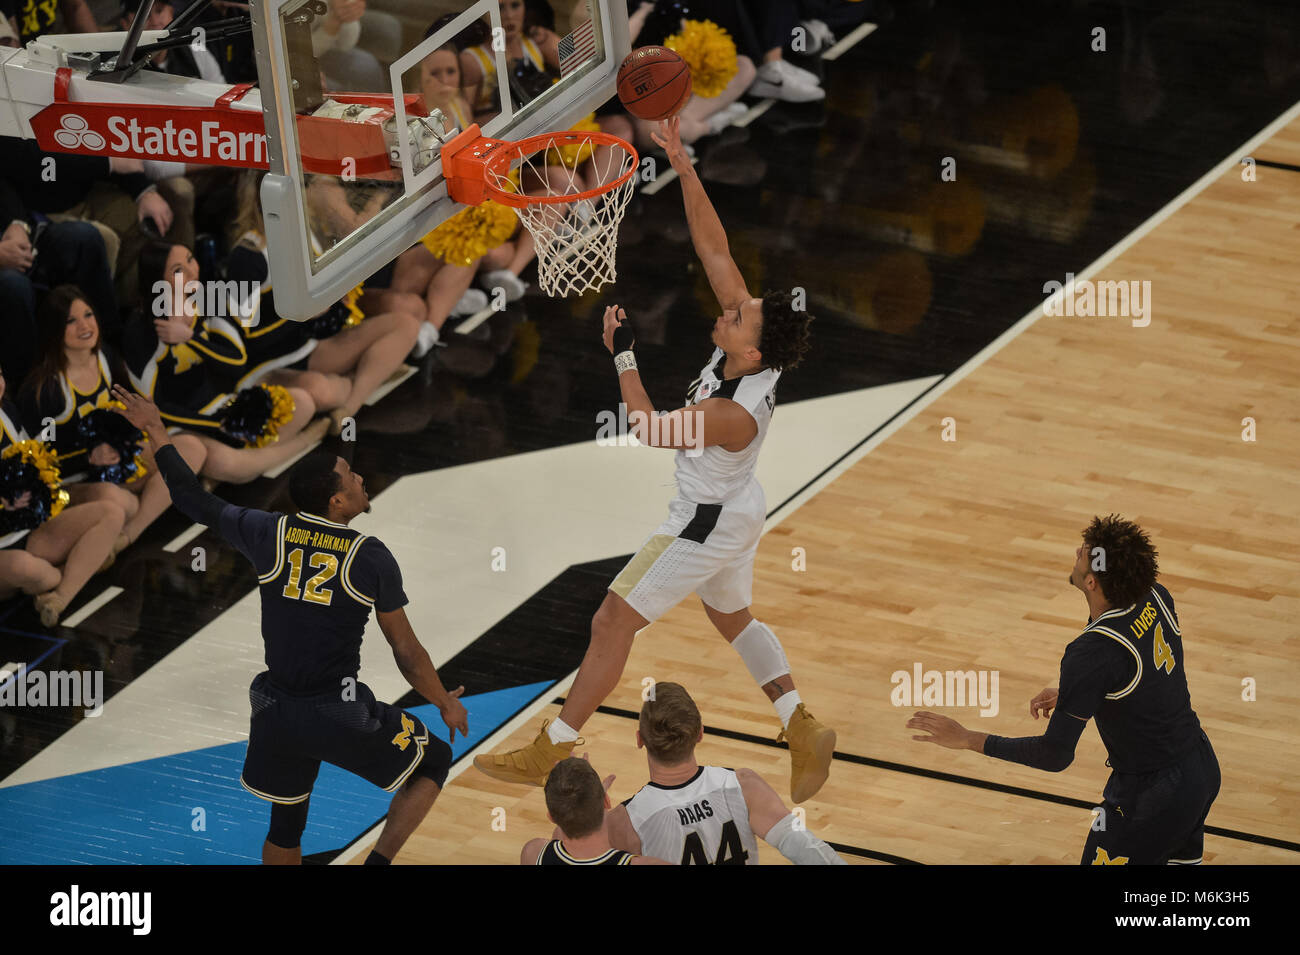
799,845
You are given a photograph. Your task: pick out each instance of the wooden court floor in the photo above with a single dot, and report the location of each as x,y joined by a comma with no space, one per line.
955,555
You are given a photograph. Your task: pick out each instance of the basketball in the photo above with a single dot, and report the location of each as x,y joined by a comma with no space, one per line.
654,83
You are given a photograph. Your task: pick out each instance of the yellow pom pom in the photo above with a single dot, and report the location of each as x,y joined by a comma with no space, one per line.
710,53
40,456
282,409
471,233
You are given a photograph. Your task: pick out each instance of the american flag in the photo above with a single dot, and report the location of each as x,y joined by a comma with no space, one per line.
577,48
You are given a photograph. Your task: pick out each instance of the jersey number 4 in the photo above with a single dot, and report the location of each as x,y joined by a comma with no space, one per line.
327,564
730,851
1163,656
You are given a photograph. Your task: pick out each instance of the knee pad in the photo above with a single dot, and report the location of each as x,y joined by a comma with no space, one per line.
762,653
287,824
436,762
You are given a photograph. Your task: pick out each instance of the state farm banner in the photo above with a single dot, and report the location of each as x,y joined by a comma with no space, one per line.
187,134
221,135
211,136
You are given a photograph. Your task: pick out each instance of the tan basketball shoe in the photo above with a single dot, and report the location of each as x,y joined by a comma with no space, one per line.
812,746
530,765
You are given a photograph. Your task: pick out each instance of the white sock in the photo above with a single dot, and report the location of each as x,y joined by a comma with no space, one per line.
561,732
785,705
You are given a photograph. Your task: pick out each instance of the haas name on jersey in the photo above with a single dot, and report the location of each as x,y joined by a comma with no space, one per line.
696,813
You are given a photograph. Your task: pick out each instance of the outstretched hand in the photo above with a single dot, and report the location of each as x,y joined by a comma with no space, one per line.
454,714
141,412
618,334
669,138
943,730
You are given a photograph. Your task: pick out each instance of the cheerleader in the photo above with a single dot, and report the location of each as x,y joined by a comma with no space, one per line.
47,550
533,62
719,74
171,353
341,357
100,455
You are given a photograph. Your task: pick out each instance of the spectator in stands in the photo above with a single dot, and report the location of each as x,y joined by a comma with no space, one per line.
36,254
113,193
54,560
73,378
334,39
189,60
31,18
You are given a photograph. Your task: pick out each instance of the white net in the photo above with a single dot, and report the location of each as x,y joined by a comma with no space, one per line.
576,240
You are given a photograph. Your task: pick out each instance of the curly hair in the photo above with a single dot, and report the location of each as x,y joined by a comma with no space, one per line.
783,340
1127,555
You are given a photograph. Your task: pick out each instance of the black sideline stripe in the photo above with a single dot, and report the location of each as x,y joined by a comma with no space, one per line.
963,780
872,854
1289,167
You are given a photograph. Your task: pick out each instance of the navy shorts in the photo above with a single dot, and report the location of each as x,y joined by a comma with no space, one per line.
290,736
1156,818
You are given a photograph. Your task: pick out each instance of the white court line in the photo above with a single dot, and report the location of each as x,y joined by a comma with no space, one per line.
365,841
474,321
863,31
1231,161
184,537
406,371
108,594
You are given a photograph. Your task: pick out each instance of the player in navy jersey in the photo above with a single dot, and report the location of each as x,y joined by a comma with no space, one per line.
1126,671
319,579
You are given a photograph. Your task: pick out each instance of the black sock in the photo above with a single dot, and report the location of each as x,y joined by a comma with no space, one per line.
376,859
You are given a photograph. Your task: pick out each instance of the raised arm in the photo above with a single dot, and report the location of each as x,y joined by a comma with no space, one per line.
187,493
707,234
418,670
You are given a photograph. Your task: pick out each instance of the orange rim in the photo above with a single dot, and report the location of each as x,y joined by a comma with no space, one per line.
501,160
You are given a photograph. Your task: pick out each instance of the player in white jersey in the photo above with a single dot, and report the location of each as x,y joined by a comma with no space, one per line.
707,544
702,815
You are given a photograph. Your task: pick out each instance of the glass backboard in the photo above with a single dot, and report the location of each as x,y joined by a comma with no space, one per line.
355,122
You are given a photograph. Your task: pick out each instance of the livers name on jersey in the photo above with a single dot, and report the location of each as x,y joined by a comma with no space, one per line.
1144,621
301,535
698,812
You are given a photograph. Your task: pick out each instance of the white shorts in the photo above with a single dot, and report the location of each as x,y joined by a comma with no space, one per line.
702,548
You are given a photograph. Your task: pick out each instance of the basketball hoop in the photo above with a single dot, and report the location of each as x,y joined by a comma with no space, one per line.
573,224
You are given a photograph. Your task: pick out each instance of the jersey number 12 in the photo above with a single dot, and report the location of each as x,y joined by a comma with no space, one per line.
327,564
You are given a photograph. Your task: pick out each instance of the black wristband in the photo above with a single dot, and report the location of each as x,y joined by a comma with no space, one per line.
624,337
